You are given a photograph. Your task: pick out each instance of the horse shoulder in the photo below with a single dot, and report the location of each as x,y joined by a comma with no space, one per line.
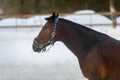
93,65
110,55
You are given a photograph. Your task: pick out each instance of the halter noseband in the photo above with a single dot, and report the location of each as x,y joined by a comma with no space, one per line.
42,46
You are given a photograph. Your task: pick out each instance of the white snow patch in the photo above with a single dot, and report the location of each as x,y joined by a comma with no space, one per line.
84,12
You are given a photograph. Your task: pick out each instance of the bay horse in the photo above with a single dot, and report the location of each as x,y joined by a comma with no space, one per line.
98,54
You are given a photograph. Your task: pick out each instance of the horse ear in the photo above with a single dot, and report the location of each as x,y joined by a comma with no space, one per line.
57,15
52,18
53,15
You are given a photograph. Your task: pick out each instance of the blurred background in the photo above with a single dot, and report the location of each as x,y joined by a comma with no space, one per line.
28,8
61,6
22,20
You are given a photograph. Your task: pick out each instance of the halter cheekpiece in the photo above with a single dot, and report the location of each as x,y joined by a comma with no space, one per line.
42,46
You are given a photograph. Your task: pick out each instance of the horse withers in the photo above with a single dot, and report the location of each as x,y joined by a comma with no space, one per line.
97,53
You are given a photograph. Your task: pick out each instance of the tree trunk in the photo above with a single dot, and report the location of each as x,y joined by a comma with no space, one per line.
113,15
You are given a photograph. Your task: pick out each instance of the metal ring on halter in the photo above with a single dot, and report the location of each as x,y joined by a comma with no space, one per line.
53,34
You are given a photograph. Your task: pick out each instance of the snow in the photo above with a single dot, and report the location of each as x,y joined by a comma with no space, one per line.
19,62
36,20
88,18
84,12
118,20
22,43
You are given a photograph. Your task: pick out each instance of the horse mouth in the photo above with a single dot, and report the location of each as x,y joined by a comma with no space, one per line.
36,49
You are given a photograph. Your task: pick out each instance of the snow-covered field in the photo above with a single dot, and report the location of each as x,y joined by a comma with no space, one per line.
19,62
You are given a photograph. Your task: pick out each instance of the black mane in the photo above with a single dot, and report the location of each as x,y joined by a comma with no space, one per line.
79,27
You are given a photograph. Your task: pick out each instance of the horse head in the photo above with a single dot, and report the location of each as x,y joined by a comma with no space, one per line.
47,34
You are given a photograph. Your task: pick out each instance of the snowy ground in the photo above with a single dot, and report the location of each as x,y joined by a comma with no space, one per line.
19,62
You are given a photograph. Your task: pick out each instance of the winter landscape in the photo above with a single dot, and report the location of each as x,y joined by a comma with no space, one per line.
19,62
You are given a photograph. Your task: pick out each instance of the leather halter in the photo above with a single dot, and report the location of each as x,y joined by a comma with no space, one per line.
42,46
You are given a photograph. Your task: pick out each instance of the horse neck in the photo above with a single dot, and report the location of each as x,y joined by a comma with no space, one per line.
79,41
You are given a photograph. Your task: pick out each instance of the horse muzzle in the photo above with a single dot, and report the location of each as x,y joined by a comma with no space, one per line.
36,49
36,46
